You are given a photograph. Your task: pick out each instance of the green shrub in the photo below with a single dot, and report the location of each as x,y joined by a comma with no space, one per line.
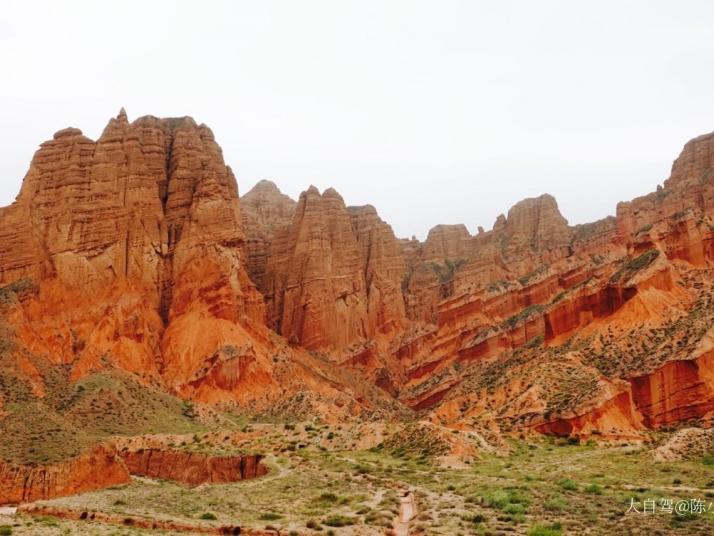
532,310
568,484
269,516
208,516
339,521
5,530
546,530
556,504
328,498
362,469
594,489
635,265
514,508
506,500
708,459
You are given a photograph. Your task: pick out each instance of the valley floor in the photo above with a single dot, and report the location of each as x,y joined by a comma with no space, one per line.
542,487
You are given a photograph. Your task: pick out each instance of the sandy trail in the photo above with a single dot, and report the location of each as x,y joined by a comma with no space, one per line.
407,512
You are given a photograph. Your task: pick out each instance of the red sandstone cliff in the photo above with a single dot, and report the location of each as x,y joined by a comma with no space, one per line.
96,469
192,468
333,276
141,259
264,210
135,246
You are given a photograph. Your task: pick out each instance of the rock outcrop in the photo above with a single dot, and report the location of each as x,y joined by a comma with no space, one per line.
264,210
192,468
96,469
314,285
135,246
334,275
383,269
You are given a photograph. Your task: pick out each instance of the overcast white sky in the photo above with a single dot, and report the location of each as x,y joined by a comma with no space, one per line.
433,111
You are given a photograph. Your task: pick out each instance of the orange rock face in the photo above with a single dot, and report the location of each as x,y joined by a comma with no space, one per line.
141,257
679,391
136,247
334,275
192,468
96,469
314,287
264,210
131,221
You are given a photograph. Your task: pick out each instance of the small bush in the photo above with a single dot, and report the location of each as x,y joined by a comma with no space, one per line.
328,498
339,521
555,505
568,484
5,530
546,530
508,501
514,508
594,489
708,459
208,516
269,516
497,499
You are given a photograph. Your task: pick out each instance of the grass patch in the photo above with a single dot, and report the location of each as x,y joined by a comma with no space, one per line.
269,516
593,489
339,521
568,485
555,505
546,530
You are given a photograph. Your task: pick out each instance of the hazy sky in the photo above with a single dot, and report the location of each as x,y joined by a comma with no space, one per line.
433,111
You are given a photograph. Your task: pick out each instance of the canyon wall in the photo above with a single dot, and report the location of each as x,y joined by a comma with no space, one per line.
96,469
141,256
192,468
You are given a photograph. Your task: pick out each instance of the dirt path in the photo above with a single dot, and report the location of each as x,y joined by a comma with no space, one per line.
407,512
